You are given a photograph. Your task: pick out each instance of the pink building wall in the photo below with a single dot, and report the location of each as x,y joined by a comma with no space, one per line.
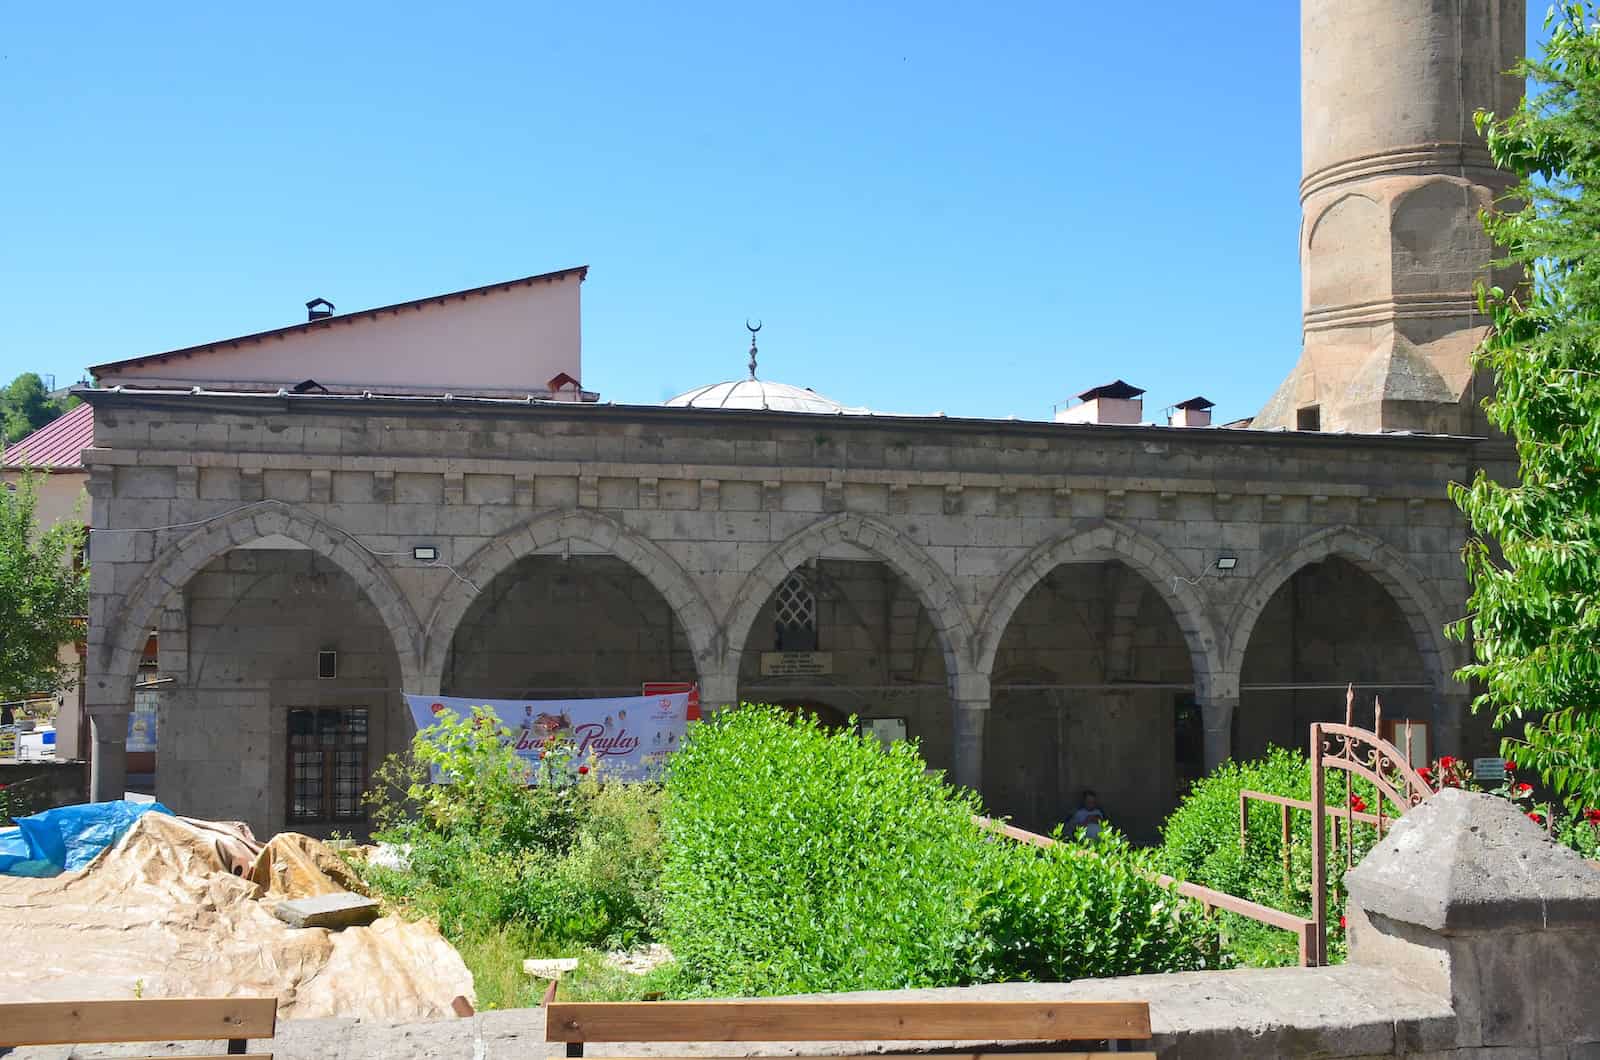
507,339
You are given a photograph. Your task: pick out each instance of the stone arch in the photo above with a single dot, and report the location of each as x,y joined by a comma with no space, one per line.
1108,540
173,569
1404,584
552,528
933,586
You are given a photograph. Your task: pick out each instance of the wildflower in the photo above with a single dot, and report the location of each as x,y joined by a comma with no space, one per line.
1592,816
1523,789
1536,818
1511,767
1341,924
1447,762
1358,804
583,769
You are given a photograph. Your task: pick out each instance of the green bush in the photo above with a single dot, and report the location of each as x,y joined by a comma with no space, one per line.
562,862
802,860
1076,912
1200,843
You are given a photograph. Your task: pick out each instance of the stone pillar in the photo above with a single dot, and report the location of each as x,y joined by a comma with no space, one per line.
1217,714
717,692
969,696
108,771
1471,901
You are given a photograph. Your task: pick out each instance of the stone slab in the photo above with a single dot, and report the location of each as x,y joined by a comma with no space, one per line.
332,911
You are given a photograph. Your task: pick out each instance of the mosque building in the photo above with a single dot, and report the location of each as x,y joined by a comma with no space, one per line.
424,498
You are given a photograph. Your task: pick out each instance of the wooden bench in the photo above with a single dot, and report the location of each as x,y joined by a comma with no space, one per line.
230,1019
1043,1022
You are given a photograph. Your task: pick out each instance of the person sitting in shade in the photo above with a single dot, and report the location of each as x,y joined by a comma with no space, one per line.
1088,818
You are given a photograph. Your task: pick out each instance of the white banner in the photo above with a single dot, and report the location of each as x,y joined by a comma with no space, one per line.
628,738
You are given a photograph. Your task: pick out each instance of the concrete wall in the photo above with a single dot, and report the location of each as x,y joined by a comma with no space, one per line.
713,509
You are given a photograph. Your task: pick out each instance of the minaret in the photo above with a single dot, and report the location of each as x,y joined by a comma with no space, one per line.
1390,239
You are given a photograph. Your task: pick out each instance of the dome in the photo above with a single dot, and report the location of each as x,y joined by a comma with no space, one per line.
758,395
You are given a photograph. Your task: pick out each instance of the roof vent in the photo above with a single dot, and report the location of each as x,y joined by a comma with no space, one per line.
1115,402
1196,412
319,309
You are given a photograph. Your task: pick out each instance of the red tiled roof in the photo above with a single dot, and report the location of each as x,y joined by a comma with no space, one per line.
59,444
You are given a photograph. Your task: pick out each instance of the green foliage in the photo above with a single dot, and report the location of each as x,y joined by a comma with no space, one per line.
1200,843
25,406
564,861
1076,912
42,598
1534,564
802,860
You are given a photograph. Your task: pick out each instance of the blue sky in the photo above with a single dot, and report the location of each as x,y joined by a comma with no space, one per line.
975,209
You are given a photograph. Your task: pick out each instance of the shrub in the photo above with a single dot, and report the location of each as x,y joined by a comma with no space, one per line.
1073,912
1200,843
560,862
801,860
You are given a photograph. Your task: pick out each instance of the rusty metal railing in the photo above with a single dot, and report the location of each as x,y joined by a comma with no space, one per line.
1303,928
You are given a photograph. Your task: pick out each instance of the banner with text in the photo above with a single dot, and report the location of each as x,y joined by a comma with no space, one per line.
629,737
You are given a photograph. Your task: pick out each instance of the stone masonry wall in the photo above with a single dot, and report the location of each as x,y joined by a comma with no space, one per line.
714,509
256,621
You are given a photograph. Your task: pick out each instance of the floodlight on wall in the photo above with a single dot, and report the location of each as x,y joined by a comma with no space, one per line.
1227,563
427,553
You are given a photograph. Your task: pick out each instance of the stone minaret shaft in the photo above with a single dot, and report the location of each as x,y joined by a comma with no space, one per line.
1390,239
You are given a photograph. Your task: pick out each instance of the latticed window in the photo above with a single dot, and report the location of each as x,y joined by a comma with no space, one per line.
327,763
795,613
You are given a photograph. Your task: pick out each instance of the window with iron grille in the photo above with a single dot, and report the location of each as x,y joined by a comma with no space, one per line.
795,614
327,763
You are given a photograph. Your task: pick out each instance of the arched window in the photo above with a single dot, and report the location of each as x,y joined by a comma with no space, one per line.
795,613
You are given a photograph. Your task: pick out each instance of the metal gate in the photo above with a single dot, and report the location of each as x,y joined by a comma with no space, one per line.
1357,753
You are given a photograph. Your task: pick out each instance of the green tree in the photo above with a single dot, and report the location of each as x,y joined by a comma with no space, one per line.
1534,561
25,406
42,596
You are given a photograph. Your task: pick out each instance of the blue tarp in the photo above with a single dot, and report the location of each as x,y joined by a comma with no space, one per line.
66,838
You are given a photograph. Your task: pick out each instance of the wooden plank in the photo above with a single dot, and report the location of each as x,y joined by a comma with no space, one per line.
150,1020
804,1021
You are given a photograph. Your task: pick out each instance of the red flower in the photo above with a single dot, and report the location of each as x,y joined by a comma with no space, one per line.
1523,789
1358,804
1341,924
583,769
1425,773
1592,816
1511,767
1536,818
1447,762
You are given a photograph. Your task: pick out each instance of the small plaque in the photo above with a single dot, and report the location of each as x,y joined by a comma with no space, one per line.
796,663
1488,769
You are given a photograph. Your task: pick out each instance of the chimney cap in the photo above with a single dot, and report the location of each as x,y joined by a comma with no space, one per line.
1114,389
1199,404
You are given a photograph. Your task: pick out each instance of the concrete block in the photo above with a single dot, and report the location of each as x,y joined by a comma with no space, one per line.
331,911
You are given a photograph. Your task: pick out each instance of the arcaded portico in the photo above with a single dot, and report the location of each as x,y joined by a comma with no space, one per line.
1041,603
